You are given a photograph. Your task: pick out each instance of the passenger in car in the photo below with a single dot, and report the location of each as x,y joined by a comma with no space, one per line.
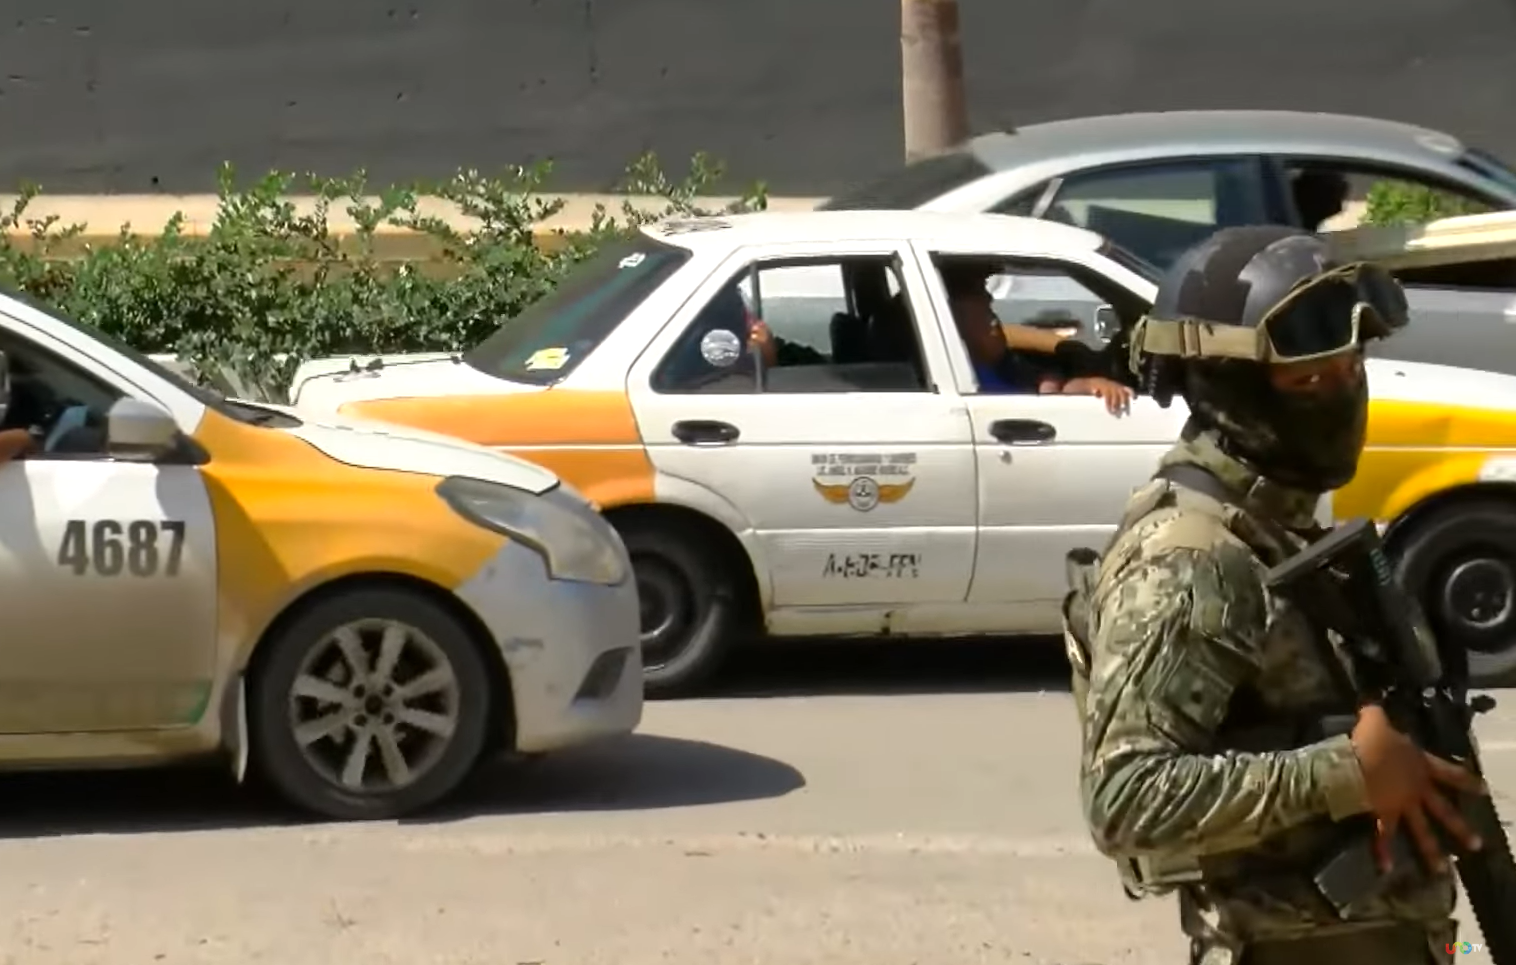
1319,196
1001,368
775,349
16,444
728,310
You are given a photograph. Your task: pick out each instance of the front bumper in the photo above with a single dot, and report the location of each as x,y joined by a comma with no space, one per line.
572,649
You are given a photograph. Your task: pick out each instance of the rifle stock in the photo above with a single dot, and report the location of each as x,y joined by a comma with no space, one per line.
1344,582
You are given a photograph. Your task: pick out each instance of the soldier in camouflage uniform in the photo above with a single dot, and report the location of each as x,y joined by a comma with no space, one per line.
1197,689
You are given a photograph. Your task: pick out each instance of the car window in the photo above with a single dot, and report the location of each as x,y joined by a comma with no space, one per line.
1022,205
206,396
1046,297
53,394
1336,195
1489,166
831,325
913,185
1028,301
553,335
1159,210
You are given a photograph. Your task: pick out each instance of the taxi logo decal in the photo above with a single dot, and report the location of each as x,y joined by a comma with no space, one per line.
863,480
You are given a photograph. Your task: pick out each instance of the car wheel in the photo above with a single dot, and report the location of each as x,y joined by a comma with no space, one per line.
371,704
687,600
1460,562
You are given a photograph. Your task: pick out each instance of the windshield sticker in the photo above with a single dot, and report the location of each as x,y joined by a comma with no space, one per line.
863,480
547,359
721,348
887,566
632,260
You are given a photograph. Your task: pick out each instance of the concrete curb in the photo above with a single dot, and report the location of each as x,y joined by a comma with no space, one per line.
145,216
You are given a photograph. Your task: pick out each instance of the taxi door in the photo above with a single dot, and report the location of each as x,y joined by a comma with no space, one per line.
107,567
853,476
1054,471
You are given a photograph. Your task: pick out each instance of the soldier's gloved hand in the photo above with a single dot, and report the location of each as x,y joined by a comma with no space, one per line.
1404,785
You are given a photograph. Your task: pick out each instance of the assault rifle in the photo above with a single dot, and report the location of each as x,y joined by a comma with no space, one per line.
1344,582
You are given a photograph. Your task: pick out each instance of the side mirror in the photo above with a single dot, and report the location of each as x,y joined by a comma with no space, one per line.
1107,323
139,431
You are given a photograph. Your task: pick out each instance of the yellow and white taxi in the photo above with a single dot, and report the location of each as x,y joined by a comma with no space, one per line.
360,612
867,486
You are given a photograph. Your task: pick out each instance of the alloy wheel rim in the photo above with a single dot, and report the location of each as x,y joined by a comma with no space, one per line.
374,705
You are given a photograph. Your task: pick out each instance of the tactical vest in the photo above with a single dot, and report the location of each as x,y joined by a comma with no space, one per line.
1196,500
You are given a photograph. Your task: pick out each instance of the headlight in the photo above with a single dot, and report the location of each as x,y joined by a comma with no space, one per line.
576,544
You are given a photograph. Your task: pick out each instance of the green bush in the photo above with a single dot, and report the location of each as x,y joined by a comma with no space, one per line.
1401,203
267,286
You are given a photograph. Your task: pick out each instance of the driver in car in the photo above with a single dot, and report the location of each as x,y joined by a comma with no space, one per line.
20,440
1018,358
15,443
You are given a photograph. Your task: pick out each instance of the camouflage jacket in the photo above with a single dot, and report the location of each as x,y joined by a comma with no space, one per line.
1182,632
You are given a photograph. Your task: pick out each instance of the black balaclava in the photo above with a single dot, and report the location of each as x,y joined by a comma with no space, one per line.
1309,441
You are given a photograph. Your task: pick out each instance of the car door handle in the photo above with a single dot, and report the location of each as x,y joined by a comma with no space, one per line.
705,432
1022,432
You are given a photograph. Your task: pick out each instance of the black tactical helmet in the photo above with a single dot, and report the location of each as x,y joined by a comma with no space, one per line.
1244,299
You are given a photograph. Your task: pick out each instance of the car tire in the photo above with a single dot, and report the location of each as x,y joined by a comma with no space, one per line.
1460,563
439,728
688,602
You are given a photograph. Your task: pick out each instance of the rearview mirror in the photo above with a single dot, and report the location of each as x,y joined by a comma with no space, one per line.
139,431
1107,323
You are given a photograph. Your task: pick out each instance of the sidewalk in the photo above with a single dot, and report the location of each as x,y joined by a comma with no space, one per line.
148,213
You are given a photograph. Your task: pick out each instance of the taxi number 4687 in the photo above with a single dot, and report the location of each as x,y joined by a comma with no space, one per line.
117,547
889,566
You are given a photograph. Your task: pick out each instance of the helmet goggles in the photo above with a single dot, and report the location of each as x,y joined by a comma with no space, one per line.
1327,314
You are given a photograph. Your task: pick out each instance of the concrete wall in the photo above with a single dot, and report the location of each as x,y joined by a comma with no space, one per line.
149,95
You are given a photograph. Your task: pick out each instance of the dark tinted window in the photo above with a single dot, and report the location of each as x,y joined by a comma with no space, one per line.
1157,210
554,334
207,397
1021,205
835,325
913,185
1490,166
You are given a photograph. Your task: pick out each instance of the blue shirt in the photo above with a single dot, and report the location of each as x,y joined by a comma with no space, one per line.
1011,374
990,380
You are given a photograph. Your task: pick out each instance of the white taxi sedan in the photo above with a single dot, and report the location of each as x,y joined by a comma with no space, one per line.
360,613
876,489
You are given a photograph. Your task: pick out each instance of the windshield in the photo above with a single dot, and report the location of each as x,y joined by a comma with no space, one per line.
551,336
913,185
205,396
1491,167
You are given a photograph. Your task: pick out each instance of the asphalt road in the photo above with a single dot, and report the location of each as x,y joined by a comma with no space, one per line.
862,803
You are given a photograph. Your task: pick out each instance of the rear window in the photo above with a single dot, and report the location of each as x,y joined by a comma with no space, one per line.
913,185
1487,164
549,339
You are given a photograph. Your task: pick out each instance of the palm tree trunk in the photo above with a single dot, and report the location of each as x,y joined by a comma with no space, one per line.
931,62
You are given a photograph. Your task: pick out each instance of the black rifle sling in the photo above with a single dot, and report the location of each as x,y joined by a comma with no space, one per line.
1201,480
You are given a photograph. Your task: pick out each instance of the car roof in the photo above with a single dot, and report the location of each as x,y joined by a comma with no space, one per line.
961,229
1162,133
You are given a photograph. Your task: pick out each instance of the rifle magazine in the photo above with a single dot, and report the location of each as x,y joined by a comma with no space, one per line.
1489,881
